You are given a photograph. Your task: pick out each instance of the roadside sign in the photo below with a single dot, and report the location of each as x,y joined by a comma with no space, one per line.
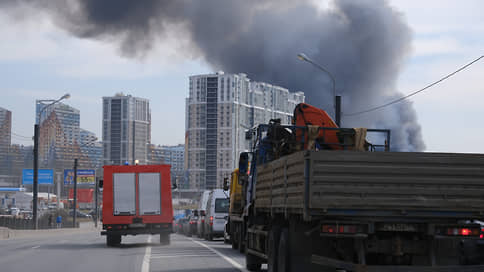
84,176
46,176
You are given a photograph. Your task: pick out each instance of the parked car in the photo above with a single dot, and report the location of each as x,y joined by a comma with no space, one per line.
79,214
216,213
14,211
26,214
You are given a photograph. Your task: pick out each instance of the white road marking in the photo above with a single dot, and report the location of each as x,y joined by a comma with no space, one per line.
225,257
35,247
145,267
182,256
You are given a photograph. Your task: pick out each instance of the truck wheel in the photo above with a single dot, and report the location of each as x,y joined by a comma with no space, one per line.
234,239
164,239
273,245
252,263
283,252
109,240
117,240
241,241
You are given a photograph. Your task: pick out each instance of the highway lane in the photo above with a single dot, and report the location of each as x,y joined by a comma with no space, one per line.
81,252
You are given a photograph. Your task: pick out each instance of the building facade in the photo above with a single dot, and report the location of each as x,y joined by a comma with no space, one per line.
59,137
126,129
5,139
172,155
92,148
219,109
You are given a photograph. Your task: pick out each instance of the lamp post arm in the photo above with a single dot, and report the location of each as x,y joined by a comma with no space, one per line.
327,72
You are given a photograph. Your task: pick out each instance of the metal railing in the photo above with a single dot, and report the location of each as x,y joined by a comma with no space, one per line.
345,136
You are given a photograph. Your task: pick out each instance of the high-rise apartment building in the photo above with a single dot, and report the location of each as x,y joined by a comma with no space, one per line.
126,129
172,155
220,107
92,148
59,136
5,139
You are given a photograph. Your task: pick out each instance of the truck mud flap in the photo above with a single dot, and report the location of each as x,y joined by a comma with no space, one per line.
325,261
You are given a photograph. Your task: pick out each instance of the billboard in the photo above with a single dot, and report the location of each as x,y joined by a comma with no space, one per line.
83,195
84,176
46,176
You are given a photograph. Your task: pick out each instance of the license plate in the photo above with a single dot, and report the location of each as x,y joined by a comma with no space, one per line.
137,225
398,227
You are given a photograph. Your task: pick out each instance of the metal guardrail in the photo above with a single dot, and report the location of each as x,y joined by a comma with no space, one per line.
345,133
13,222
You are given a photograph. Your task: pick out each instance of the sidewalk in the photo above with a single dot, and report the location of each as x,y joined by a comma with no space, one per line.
84,227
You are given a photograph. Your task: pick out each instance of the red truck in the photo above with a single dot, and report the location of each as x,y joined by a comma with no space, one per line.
136,200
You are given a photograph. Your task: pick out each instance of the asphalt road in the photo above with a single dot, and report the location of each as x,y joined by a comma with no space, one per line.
87,251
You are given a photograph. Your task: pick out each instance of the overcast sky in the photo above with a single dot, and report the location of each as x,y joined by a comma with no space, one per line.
41,61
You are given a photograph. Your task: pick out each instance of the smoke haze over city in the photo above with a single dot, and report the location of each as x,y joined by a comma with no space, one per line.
363,43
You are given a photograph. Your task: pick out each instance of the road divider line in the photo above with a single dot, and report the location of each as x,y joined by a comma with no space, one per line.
182,256
145,266
225,257
35,247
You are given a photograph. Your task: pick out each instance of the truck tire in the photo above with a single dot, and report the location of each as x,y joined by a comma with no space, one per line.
109,240
113,240
283,252
240,241
273,246
252,263
164,239
234,237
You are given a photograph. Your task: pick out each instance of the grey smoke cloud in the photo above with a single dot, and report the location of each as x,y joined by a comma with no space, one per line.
363,43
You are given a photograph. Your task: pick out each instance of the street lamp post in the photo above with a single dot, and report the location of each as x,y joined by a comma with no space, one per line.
35,182
336,105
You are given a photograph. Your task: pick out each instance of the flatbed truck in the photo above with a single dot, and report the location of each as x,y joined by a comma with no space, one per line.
344,210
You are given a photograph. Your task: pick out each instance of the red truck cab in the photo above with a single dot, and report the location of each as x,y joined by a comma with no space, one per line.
136,200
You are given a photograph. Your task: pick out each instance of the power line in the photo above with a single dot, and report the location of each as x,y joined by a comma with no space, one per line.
416,92
18,135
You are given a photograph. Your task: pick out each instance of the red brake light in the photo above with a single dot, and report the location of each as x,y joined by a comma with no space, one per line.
203,221
343,229
465,232
211,218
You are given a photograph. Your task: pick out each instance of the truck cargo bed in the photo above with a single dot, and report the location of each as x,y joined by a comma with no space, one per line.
373,184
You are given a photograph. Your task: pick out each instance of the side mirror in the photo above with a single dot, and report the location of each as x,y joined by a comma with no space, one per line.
173,186
226,184
248,134
243,163
100,183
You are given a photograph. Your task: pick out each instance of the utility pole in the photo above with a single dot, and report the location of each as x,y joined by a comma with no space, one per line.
35,183
96,214
338,110
75,194
58,189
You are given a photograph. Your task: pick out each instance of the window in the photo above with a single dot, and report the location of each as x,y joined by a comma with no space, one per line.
222,205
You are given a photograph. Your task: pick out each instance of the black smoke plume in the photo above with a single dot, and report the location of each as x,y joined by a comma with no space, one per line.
363,43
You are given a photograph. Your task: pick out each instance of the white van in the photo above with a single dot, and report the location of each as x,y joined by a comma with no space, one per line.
216,213
201,213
